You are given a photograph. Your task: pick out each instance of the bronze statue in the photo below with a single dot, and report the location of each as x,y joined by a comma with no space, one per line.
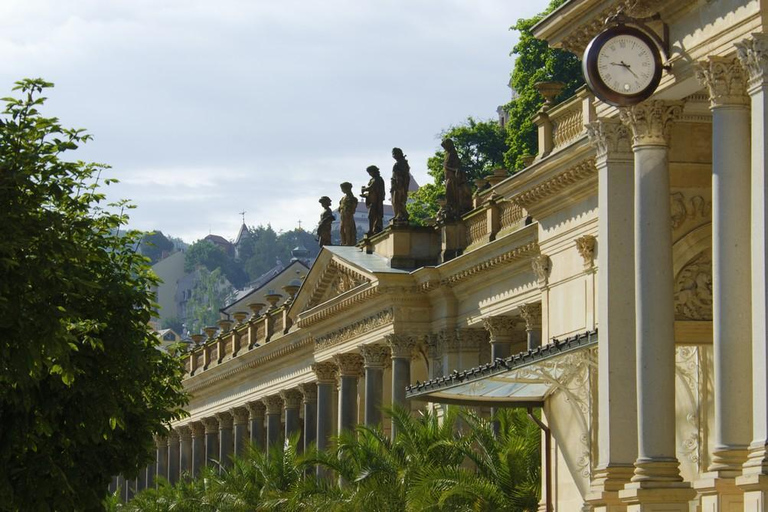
458,193
401,178
374,200
326,219
347,208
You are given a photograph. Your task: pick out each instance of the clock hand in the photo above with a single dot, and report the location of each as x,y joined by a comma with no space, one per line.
629,69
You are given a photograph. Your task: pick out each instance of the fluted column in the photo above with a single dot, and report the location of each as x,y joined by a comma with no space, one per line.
350,370
185,450
731,287
753,54
531,313
274,408
161,456
226,441
240,424
291,402
173,456
308,392
617,391
374,359
657,474
256,413
326,381
198,447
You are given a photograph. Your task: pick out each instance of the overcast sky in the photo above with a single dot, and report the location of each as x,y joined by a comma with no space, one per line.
207,108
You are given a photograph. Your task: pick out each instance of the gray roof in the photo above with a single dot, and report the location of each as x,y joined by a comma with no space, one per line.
370,262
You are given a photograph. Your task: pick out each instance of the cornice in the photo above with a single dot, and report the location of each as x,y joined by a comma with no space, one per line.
519,253
336,306
380,319
538,197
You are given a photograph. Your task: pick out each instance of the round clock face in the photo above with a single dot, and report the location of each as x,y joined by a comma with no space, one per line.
622,66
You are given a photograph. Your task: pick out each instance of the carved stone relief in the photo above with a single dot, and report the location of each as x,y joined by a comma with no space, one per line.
689,209
693,289
693,401
355,329
586,247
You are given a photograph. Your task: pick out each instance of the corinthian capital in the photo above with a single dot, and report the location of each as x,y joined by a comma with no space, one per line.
325,372
753,55
350,365
256,410
308,392
531,313
291,398
501,328
610,138
401,345
273,404
724,79
375,356
651,121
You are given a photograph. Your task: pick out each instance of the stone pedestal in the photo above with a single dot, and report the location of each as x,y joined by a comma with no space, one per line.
617,400
256,413
657,482
309,403
226,441
374,359
453,240
350,370
240,425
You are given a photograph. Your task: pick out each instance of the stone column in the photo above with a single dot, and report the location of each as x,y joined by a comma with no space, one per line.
531,313
617,390
256,412
309,401
753,54
198,447
185,450
211,441
291,402
173,456
350,370
731,286
226,440
502,331
274,407
401,346
161,457
240,422
374,359
326,381
657,477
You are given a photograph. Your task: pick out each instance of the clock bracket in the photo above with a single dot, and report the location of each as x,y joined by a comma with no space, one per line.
662,41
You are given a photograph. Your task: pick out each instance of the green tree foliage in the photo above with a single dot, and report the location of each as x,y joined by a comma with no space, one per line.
535,62
208,296
174,323
83,386
434,464
481,146
154,244
268,247
206,254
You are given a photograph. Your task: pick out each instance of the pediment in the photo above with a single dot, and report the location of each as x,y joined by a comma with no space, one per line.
329,278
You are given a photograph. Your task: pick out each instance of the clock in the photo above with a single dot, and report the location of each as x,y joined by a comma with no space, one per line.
622,66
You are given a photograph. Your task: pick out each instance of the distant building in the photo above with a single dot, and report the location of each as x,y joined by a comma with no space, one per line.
170,270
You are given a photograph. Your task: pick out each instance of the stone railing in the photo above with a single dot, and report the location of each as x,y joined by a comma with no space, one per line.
231,342
511,215
567,124
476,226
561,125
495,215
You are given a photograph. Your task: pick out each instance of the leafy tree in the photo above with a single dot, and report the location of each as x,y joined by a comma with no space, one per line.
481,146
535,62
208,296
154,244
83,387
208,255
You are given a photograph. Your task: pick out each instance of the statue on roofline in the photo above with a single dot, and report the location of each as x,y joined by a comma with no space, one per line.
373,194
347,208
326,219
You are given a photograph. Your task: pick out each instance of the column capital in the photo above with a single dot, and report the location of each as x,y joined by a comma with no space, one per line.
350,364
374,356
586,247
542,267
256,410
211,425
472,337
173,436
224,419
161,442
291,398
401,345
239,415
197,428
752,52
500,328
531,313
610,138
308,392
651,121
325,372
725,80
273,404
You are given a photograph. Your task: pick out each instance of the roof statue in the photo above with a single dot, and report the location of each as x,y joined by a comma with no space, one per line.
373,194
458,194
324,226
401,178
347,206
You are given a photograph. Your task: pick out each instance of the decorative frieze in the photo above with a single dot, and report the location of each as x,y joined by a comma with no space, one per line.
350,364
292,398
725,80
586,247
273,404
610,138
401,345
355,329
308,392
531,313
651,121
472,338
375,356
753,55
325,372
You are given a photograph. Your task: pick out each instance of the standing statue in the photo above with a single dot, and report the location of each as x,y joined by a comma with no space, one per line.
401,178
458,193
374,200
347,208
326,219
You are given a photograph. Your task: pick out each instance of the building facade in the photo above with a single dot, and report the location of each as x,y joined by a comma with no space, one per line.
618,282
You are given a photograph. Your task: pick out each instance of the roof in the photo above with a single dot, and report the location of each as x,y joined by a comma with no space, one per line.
263,280
240,234
369,262
216,239
500,382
